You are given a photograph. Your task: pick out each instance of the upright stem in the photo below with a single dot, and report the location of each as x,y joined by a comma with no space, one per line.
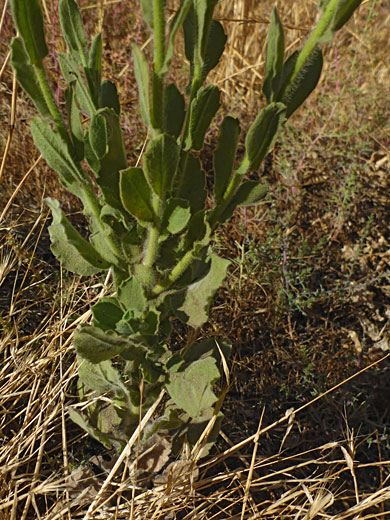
312,42
159,57
50,101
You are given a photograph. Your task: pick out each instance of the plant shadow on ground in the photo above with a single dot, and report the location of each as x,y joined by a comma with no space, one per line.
305,304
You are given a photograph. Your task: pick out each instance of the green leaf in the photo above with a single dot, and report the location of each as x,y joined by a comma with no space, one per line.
176,216
131,295
106,313
224,155
78,418
141,72
71,72
147,12
160,162
191,388
75,125
344,11
262,135
174,110
98,135
214,49
94,345
108,176
305,83
193,183
208,349
75,253
28,18
55,153
108,97
274,57
204,10
203,109
27,77
94,70
249,193
73,29
190,31
200,294
136,195
177,22
101,377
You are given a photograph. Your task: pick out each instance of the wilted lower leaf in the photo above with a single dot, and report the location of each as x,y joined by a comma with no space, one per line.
191,388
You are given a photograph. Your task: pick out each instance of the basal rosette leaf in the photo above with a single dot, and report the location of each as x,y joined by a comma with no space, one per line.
191,387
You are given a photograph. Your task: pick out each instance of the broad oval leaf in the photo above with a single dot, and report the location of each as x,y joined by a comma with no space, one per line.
95,345
191,388
106,313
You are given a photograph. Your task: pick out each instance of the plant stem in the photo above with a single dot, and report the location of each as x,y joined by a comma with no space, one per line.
175,274
159,56
50,101
321,28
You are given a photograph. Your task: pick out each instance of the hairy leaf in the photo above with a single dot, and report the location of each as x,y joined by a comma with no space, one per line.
136,195
73,29
176,216
305,83
70,70
28,18
131,295
108,97
27,76
174,110
160,162
263,133
76,128
75,253
193,182
55,153
191,387
203,109
94,70
106,313
224,155
141,72
97,135
214,48
274,57
95,345
200,294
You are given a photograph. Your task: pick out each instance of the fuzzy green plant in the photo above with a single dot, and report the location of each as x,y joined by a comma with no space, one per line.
149,226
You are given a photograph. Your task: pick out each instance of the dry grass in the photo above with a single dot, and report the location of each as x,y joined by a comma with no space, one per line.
326,457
